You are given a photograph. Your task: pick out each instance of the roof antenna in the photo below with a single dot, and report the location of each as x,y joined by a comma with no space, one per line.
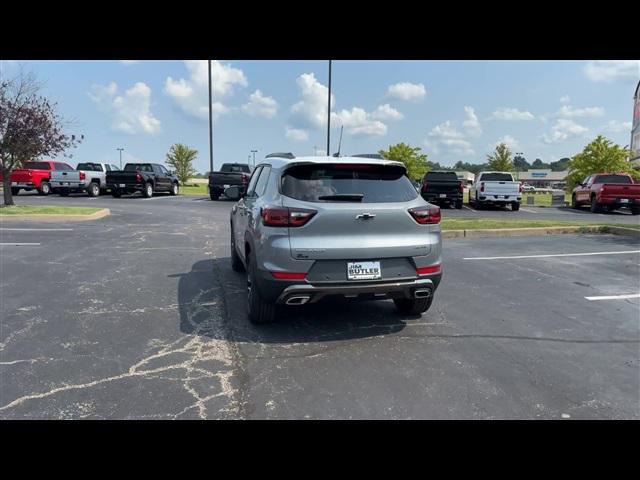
339,143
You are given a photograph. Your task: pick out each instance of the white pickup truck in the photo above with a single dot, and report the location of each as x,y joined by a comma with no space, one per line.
495,188
87,177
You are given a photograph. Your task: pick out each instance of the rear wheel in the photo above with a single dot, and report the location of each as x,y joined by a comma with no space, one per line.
15,191
63,192
635,210
45,188
94,189
459,204
260,311
174,189
515,206
413,306
214,195
236,263
148,191
595,206
116,193
574,202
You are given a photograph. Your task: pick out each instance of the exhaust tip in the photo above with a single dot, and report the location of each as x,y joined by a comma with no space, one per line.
422,293
297,300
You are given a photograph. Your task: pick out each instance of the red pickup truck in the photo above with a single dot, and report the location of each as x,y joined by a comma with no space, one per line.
35,175
606,192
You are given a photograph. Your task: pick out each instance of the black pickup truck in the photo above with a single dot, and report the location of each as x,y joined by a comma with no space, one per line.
442,187
230,174
146,178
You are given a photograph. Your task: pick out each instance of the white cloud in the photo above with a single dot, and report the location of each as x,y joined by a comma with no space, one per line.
131,112
357,122
511,142
511,114
617,127
567,111
564,129
386,112
612,70
296,134
565,99
407,91
311,110
446,136
191,94
472,124
260,106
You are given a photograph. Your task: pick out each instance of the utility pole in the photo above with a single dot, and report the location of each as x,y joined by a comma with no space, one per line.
210,123
120,150
329,113
254,157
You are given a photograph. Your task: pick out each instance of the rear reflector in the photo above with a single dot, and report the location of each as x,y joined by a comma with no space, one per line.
289,275
427,215
427,270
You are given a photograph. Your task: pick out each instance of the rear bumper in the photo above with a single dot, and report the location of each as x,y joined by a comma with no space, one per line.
23,185
499,198
69,185
435,197
128,187
619,201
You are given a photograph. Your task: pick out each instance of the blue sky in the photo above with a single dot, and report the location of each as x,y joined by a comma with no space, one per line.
454,110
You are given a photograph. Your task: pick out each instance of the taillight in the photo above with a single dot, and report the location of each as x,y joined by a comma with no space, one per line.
289,275
82,176
138,178
461,186
424,186
427,270
30,173
482,186
286,217
426,215
243,179
521,187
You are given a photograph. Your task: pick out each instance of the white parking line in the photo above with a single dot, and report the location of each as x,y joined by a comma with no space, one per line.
18,244
36,229
527,210
469,208
553,255
614,297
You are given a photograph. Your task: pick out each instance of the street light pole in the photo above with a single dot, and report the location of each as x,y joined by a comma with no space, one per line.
210,123
329,113
120,150
254,157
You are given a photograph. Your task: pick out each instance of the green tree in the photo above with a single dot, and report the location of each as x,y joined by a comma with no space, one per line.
415,161
599,156
500,159
520,163
539,164
561,165
180,158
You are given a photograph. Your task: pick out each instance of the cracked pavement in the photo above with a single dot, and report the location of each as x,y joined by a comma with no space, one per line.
139,316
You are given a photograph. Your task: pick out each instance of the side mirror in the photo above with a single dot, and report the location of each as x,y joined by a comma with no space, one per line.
234,193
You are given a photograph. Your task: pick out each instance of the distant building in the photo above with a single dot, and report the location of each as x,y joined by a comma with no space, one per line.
543,178
635,128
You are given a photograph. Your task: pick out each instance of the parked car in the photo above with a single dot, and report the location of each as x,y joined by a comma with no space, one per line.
495,188
35,176
145,178
229,175
313,227
87,177
528,188
606,192
442,187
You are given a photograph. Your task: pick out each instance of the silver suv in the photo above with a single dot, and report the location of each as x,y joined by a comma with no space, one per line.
311,227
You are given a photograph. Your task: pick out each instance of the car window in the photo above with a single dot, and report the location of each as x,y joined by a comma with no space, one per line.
441,176
373,183
497,177
261,184
231,168
612,179
253,181
63,167
36,165
114,168
91,167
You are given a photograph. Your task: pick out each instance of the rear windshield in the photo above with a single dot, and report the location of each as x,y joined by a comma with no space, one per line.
612,179
92,167
373,183
442,176
36,165
143,167
497,177
229,168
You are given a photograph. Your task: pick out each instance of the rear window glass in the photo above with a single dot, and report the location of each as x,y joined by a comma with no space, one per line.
376,183
92,167
228,168
36,165
612,179
497,177
442,176
143,167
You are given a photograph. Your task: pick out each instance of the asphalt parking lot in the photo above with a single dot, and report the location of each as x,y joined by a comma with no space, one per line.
139,315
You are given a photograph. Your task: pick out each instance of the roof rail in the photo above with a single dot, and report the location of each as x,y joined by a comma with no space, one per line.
288,155
369,155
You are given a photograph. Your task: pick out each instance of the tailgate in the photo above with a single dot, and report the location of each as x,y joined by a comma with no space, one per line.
22,176
68,176
500,188
226,178
623,190
443,187
121,177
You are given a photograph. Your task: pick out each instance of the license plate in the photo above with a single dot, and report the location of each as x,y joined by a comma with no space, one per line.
624,200
121,185
443,195
363,270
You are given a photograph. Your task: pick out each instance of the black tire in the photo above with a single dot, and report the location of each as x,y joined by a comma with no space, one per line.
148,190
595,206
236,263
635,210
15,191
214,196
175,189
260,311
63,192
94,189
413,306
574,203
45,189
515,206
459,204
116,193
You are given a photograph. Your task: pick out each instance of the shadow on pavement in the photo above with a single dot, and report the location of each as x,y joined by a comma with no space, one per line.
212,302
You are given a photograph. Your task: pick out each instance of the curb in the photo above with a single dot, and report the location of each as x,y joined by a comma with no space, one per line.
631,232
537,231
59,218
